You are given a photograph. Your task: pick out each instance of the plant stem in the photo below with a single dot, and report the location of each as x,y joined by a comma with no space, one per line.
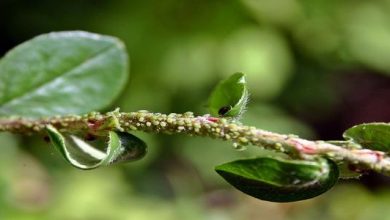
205,126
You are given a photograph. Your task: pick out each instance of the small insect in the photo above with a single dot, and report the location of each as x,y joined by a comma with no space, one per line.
223,110
46,139
90,137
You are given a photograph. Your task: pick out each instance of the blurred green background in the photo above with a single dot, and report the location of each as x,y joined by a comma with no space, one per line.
314,67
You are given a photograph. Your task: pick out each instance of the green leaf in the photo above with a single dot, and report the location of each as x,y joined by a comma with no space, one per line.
375,136
61,73
229,97
117,147
280,180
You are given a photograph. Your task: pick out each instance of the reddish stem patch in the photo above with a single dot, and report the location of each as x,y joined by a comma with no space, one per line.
212,119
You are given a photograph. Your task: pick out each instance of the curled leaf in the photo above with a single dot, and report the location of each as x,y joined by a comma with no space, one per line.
125,147
229,97
117,147
280,180
375,136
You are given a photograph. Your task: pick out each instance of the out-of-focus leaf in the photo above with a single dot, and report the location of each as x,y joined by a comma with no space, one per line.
366,32
280,180
62,73
83,154
230,96
276,120
375,136
263,55
272,12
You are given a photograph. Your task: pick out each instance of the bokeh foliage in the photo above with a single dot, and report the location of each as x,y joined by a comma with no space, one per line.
314,68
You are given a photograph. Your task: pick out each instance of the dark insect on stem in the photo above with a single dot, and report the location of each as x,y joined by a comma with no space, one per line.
89,137
356,169
46,139
223,110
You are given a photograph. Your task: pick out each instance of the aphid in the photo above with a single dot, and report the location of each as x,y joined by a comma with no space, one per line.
89,137
223,110
46,139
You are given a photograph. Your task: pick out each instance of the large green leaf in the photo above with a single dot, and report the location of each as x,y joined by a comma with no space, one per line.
229,97
116,147
374,136
62,73
280,180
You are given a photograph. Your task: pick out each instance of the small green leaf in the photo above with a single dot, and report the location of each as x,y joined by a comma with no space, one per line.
229,97
62,73
280,180
375,136
117,147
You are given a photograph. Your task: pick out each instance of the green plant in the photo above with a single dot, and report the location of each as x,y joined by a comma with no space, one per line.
52,84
